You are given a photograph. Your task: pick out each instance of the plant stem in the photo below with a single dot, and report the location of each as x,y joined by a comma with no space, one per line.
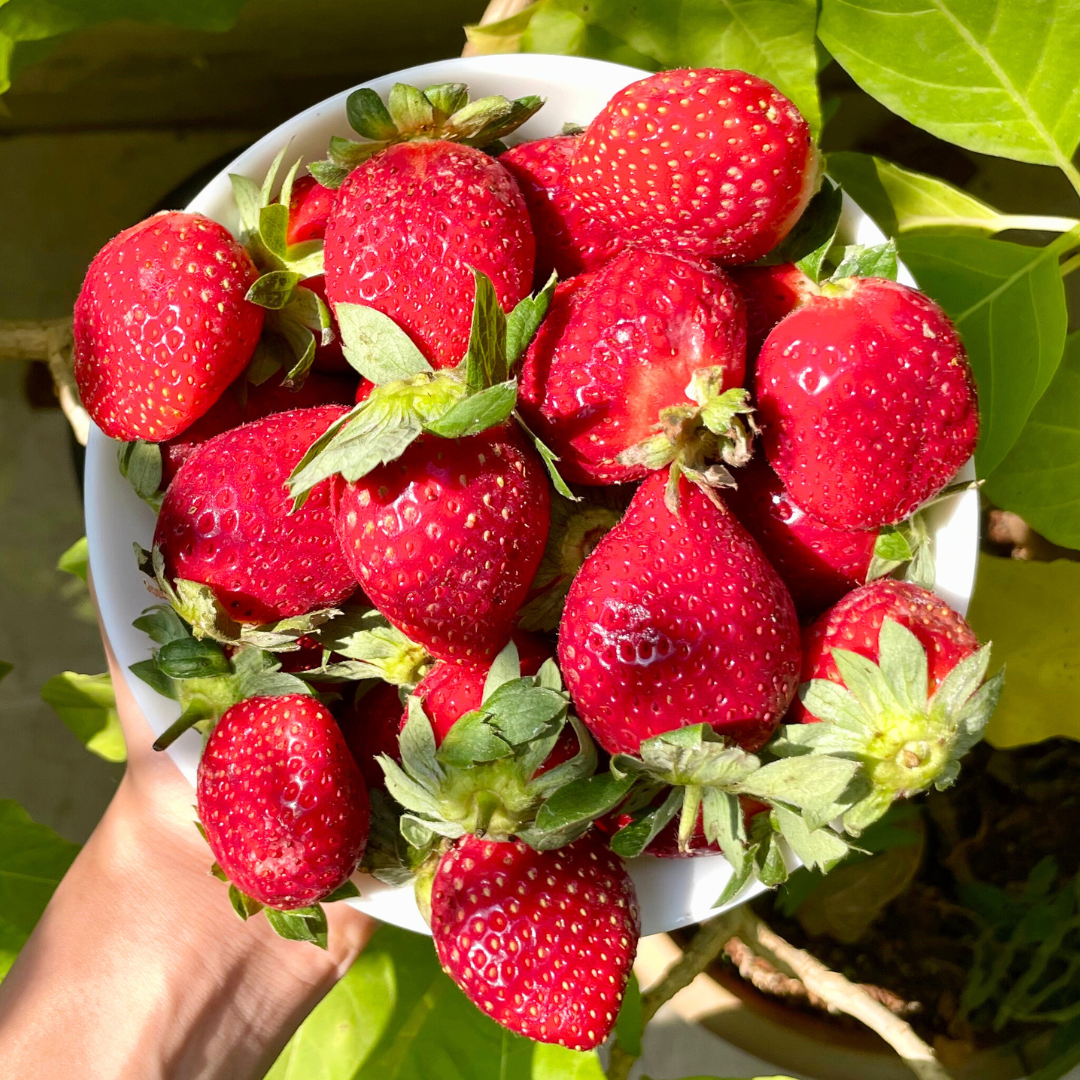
1069,265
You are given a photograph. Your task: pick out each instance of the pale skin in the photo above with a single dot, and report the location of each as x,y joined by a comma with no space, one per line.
139,969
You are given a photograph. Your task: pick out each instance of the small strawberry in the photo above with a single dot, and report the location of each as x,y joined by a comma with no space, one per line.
282,802
410,226
568,240
769,293
893,680
310,207
245,403
677,620
619,355
818,563
867,402
446,539
541,941
712,162
162,325
225,522
370,725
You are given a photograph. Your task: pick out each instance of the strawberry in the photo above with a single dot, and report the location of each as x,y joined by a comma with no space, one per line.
409,227
162,325
867,402
310,207
541,941
568,240
818,563
245,403
226,522
677,620
712,162
282,802
769,293
618,354
446,539
370,725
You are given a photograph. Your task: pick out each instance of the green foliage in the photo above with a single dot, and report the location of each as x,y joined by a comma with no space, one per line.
87,705
75,560
33,859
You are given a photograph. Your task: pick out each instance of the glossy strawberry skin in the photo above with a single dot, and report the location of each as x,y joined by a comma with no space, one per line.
370,726
226,522
818,563
542,942
262,400
867,403
310,208
161,325
712,162
283,803
446,540
677,620
769,293
568,240
620,344
855,624
409,227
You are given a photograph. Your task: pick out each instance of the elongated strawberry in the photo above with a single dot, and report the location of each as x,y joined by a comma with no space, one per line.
713,162
225,522
677,620
310,207
620,353
162,325
568,240
543,942
818,563
410,226
282,802
769,293
446,539
245,403
867,402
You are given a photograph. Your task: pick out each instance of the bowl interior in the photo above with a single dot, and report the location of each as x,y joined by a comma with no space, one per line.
672,893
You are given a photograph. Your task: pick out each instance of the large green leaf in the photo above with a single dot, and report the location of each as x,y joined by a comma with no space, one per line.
87,704
997,77
33,859
35,20
1040,477
1031,613
1008,302
770,38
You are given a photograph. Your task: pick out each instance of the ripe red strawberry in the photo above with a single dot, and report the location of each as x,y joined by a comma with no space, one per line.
867,402
409,227
855,623
226,522
568,240
447,538
370,725
310,208
620,345
769,293
541,941
677,619
282,801
262,400
818,563
162,326
713,162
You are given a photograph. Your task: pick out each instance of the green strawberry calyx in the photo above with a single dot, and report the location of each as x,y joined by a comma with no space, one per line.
700,439
411,398
882,716
439,112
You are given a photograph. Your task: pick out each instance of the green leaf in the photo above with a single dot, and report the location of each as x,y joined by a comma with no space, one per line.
75,560
368,116
477,413
248,199
549,458
376,346
274,229
301,924
33,859
342,892
188,658
806,782
862,261
1008,303
1039,478
274,289
809,241
447,98
410,110
87,705
140,463
817,848
631,840
629,1023
891,544
485,361
523,322
149,672
996,78
245,906
583,800
1031,611
772,39
505,668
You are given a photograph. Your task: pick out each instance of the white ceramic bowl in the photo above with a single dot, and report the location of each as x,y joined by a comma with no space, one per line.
672,893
